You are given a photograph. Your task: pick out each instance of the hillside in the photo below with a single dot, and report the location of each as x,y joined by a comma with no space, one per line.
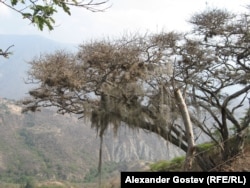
63,150
48,146
241,163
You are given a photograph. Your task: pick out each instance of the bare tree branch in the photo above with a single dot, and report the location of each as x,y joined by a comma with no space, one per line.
6,52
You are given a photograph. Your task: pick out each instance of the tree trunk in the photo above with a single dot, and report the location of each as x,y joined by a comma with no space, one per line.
208,160
189,129
235,145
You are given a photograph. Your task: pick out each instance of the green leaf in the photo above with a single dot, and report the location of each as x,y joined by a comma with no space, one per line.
38,20
48,24
66,8
13,2
27,15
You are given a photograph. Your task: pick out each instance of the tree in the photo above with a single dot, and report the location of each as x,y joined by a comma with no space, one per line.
214,67
111,82
164,83
41,13
226,36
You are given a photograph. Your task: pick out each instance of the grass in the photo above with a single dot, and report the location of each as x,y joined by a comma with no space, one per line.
173,165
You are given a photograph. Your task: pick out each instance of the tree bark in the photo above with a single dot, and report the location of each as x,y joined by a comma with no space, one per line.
189,129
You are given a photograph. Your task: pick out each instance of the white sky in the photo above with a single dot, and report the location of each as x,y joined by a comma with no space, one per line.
123,16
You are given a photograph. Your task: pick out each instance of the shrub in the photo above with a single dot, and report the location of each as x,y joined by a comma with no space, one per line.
173,165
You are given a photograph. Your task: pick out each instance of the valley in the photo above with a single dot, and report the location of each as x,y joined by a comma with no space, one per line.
46,146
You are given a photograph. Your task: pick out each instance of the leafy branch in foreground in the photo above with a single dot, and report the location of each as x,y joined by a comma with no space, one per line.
41,13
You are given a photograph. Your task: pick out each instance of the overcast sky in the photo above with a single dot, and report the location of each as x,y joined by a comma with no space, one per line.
123,16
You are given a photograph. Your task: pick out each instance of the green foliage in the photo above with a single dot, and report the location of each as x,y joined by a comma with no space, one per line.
29,140
178,160
159,166
41,13
29,183
107,168
173,165
91,175
205,146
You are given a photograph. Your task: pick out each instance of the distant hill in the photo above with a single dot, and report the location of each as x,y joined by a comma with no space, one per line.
13,70
46,145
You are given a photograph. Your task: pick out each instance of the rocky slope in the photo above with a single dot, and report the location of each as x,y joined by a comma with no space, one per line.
47,145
